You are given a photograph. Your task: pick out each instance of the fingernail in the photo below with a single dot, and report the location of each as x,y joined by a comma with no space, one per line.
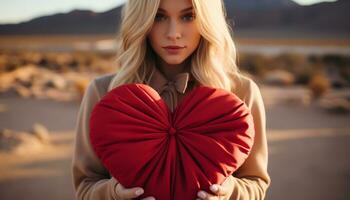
139,192
214,188
202,195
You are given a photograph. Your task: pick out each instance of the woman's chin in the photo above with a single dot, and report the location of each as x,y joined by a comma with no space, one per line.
174,61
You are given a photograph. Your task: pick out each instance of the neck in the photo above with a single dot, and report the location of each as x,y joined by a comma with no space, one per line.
170,71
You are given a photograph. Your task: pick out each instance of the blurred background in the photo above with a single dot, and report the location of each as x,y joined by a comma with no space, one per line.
298,51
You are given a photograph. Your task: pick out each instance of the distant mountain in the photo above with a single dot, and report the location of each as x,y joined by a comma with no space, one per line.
245,14
258,4
328,16
74,22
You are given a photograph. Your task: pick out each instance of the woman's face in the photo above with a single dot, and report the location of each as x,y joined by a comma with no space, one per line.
174,35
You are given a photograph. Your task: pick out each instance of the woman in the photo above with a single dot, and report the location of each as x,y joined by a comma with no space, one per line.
172,46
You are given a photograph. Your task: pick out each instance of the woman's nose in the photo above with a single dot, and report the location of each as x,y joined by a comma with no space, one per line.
174,31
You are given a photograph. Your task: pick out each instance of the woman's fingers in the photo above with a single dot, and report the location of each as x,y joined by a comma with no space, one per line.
149,198
128,193
218,190
206,196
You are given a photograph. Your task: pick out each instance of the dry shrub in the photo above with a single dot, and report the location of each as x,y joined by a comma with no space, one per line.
319,85
291,62
255,64
81,85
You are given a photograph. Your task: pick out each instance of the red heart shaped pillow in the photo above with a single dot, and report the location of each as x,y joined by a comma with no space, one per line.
171,154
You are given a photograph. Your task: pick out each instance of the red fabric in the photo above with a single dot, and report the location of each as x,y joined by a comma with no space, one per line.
171,155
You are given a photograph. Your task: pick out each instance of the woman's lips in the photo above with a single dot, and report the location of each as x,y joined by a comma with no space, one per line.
173,49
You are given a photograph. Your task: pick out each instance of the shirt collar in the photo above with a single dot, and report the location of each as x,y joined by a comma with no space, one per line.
159,82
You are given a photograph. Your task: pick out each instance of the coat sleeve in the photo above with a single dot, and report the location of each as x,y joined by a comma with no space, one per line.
251,180
90,178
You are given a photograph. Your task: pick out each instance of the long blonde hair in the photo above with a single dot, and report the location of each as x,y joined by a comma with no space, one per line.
213,63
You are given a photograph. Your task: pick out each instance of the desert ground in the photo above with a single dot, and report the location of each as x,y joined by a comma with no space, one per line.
308,148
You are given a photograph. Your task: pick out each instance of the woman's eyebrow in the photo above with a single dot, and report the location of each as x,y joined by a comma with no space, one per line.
184,10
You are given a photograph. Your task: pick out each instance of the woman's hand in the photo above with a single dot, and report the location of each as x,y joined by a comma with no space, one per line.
129,193
222,192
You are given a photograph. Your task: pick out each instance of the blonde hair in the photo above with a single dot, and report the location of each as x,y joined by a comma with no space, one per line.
213,63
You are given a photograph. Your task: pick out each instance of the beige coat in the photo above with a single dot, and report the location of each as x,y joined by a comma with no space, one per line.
91,179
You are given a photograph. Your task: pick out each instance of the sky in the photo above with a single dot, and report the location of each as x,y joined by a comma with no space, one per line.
14,11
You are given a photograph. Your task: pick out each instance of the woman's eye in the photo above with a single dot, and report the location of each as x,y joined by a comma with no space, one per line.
189,17
159,17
